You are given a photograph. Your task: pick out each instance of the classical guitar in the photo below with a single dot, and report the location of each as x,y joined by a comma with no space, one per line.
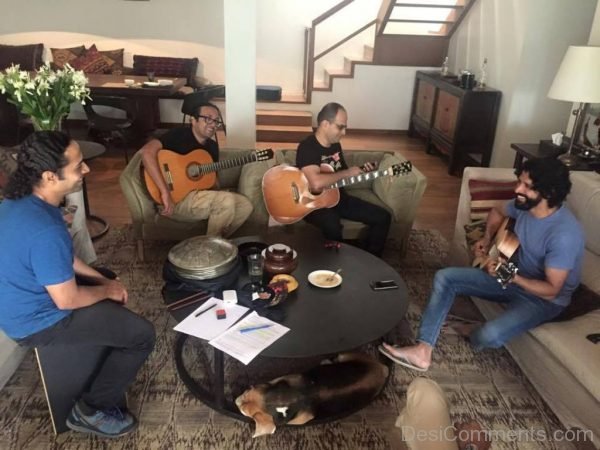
504,247
194,171
287,193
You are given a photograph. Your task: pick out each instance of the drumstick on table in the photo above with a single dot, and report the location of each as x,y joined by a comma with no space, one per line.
198,296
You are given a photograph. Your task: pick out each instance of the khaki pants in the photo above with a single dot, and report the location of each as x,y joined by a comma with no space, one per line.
225,211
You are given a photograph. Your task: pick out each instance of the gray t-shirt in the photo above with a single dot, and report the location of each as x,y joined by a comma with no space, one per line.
556,241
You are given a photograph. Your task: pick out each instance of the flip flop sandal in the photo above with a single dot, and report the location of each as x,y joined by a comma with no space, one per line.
399,360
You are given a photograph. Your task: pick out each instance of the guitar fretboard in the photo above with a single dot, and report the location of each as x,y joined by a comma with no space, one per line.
203,169
368,176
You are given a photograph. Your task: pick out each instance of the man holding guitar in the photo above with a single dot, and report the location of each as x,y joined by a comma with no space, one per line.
324,148
225,211
549,261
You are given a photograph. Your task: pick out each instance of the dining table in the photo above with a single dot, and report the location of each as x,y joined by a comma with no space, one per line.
143,94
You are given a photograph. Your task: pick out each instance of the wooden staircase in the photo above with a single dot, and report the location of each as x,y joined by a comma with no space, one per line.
347,72
413,33
283,126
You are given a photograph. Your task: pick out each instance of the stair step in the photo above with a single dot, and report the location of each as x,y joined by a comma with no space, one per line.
350,62
279,117
368,52
321,86
279,133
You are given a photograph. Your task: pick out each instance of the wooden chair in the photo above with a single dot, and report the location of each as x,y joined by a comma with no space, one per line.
110,127
67,372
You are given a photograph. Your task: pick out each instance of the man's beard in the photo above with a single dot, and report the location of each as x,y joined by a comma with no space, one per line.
528,203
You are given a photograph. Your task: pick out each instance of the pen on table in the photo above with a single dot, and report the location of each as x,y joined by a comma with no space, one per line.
205,309
259,327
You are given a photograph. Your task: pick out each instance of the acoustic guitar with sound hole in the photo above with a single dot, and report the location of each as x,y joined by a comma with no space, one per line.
503,249
287,192
194,171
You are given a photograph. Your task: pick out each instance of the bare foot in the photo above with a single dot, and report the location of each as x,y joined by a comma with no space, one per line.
418,355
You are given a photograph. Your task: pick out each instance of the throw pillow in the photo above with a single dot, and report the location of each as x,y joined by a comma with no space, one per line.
165,66
250,185
61,56
486,195
392,189
114,58
583,301
474,231
92,61
29,57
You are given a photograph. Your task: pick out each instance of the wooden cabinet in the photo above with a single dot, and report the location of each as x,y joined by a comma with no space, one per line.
459,123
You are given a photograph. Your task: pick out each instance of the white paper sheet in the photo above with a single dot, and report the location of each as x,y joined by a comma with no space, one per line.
207,326
246,346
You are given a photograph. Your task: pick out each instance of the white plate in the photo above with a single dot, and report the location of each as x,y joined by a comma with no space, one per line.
165,82
318,278
151,83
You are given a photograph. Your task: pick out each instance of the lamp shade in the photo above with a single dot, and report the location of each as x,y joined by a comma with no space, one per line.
578,78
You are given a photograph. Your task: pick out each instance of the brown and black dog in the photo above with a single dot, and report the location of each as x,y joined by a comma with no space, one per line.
325,390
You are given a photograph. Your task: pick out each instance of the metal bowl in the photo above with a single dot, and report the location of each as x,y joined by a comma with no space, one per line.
203,257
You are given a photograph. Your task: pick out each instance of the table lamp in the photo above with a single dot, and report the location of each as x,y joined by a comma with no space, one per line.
577,80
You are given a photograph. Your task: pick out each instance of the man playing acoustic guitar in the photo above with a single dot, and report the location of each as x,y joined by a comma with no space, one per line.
225,211
324,148
548,259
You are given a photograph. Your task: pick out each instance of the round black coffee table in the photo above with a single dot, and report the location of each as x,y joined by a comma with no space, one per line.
322,322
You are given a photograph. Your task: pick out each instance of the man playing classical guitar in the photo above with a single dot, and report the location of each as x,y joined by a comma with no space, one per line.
324,148
549,268
225,211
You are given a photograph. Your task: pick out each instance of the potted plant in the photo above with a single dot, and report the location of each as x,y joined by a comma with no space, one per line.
46,97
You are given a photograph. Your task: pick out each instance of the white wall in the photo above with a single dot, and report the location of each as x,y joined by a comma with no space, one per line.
524,41
189,28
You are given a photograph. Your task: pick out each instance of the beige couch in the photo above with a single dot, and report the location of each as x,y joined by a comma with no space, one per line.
557,358
399,195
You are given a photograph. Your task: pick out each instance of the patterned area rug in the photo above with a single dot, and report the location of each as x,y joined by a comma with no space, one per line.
488,387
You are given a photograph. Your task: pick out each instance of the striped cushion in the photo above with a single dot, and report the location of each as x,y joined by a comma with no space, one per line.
487,194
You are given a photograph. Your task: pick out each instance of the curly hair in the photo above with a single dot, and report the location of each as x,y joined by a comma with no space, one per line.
40,152
549,177
328,112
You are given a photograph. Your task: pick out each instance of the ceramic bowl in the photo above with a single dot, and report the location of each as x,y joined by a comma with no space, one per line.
325,279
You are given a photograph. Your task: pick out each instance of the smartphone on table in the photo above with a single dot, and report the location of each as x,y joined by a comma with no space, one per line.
383,285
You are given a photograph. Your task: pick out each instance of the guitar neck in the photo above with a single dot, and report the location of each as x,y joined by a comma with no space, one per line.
225,164
368,176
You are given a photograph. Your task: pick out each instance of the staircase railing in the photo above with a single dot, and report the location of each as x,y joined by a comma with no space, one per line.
309,52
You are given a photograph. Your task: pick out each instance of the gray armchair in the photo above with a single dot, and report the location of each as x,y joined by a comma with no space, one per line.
399,195
149,225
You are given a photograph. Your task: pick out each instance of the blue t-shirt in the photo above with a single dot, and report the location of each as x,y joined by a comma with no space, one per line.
556,242
36,250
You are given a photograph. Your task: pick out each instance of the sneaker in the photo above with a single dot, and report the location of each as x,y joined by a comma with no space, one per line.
111,423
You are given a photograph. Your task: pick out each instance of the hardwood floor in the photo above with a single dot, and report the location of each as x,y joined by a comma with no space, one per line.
437,208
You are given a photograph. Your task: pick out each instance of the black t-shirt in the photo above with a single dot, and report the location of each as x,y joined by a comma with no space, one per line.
183,141
311,152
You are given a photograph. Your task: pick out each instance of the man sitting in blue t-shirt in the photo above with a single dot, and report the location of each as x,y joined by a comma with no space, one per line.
549,257
41,303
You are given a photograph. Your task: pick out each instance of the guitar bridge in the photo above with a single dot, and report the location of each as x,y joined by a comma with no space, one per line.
295,193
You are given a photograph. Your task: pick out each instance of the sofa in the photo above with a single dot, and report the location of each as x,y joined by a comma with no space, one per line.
399,195
556,357
10,353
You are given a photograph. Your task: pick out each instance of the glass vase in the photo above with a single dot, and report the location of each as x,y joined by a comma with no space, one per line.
46,124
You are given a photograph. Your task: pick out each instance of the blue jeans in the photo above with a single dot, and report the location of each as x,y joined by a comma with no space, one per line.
523,310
